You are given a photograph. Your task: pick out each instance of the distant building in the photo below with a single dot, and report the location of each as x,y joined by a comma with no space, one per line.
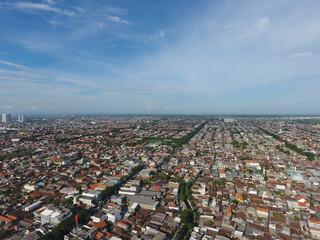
262,212
6,117
222,173
239,197
314,226
297,177
292,168
252,164
20,118
30,187
229,120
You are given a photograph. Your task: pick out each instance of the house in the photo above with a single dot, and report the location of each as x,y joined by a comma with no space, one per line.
222,173
99,217
262,212
90,197
145,202
130,188
145,173
314,227
252,164
239,197
302,202
32,206
114,214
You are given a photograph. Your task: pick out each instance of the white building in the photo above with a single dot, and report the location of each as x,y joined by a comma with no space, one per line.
6,117
52,214
90,197
30,187
32,206
92,194
69,191
98,217
130,188
252,164
293,204
229,120
263,213
222,173
297,177
114,214
314,226
281,187
133,207
20,118
198,189
145,202
145,173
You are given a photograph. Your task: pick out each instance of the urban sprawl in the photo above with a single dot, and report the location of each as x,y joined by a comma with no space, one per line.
159,177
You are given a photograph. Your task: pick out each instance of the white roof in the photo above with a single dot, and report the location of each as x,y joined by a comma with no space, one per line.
134,205
55,214
47,212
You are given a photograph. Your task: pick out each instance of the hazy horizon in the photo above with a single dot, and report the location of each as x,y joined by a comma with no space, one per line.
226,115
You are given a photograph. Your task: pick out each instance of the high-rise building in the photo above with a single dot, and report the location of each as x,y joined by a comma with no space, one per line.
20,118
6,117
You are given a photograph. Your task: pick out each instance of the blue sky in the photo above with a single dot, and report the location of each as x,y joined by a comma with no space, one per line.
185,57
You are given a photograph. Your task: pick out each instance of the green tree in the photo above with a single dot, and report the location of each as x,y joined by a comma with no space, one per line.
235,202
209,223
3,234
67,202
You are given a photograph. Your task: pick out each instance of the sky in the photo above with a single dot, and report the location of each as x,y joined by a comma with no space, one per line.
160,57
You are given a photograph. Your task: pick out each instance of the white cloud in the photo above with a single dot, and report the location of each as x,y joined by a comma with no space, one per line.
33,107
29,6
79,9
149,106
292,33
21,73
255,29
7,107
262,23
118,20
51,2
301,55
160,34
99,24
14,65
117,11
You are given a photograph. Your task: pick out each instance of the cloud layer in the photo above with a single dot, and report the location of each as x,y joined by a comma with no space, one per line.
98,57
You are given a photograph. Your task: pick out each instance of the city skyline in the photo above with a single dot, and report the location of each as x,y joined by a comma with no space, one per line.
149,57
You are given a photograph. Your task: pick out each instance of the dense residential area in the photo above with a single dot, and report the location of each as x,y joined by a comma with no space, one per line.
160,177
